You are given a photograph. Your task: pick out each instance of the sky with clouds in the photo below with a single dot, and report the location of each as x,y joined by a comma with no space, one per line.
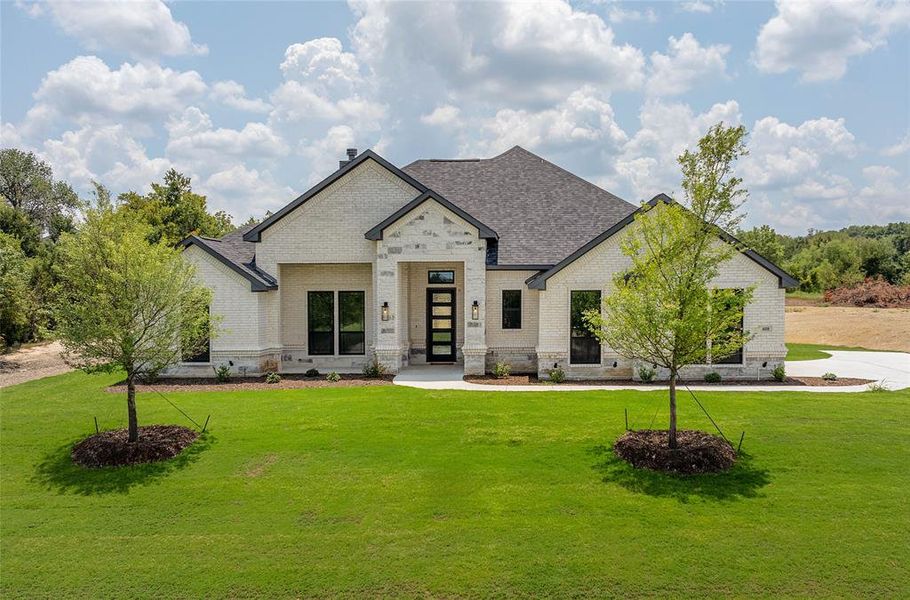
259,100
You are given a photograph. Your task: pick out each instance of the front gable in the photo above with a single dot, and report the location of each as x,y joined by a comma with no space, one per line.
428,197
430,230
328,225
609,239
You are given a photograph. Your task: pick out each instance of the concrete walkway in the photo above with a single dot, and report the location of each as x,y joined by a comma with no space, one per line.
890,368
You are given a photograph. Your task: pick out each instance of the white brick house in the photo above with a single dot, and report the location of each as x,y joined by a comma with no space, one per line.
465,261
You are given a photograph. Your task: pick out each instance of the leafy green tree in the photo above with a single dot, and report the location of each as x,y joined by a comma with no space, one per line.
27,184
765,241
123,302
174,211
16,223
663,310
15,297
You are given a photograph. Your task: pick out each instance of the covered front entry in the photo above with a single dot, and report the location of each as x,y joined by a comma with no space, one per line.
440,324
430,285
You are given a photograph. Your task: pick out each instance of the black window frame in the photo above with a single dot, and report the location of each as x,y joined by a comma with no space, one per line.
346,335
203,356
737,357
311,332
511,316
583,349
431,272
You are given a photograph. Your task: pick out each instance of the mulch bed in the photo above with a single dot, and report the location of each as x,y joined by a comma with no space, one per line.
203,384
533,380
697,451
111,448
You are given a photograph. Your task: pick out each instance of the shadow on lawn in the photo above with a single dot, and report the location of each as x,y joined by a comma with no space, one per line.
58,472
744,480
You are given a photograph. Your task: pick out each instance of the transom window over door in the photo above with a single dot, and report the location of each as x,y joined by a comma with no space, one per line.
446,276
584,347
351,323
321,323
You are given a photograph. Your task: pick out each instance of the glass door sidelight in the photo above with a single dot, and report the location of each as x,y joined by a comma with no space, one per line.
440,325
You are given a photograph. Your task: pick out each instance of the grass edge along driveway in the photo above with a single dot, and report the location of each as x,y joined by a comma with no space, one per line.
390,491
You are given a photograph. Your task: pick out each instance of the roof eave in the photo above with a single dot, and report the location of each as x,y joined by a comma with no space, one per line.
256,285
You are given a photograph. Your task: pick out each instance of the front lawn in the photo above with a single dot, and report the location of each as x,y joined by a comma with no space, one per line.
816,351
389,491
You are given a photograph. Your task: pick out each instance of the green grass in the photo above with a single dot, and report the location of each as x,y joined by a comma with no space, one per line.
816,351
817,296
388,491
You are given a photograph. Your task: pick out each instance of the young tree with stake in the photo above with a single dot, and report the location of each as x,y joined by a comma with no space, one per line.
663,309
125,303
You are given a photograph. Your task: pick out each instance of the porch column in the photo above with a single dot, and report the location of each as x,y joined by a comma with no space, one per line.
474,348
386,282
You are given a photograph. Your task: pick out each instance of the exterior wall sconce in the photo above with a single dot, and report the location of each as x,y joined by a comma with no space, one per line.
385,311
475,311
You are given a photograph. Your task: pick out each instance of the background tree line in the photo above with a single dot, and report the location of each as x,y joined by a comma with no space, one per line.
38,210
824,260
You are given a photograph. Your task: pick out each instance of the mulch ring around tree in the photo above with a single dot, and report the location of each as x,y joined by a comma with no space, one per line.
111,448
697,451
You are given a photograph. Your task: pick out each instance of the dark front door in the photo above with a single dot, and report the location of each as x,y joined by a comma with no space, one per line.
440,325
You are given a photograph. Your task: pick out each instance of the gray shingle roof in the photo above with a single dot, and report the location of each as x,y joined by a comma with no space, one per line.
541,212
237,254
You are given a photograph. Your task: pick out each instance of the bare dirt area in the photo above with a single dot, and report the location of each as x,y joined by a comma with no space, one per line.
872,328
288,382
32,362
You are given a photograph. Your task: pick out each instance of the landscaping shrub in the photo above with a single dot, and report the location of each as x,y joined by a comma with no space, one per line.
779,373
646,374
829,377
333,377
222,373
871,292
878,386
712,377
272,377
557,375
374,369
501,370
312,373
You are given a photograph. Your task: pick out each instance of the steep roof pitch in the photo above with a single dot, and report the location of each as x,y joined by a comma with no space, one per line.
255,233
539,281
237,254
540,211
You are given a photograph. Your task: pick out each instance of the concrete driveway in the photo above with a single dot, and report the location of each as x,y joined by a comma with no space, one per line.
889,368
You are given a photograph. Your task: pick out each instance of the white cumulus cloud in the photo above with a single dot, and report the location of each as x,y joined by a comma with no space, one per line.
139,28
818,38
686,63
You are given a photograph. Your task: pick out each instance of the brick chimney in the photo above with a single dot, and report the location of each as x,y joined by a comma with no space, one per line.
352,154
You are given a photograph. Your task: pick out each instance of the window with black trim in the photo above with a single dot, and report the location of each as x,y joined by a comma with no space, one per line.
203,353
511,309
737,357
321,323
440,276
351,322
584,347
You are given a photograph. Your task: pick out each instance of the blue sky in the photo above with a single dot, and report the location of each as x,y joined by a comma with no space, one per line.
257,101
